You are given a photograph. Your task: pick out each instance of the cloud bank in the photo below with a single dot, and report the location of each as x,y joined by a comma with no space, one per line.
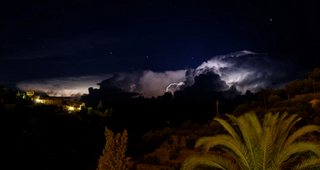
232,73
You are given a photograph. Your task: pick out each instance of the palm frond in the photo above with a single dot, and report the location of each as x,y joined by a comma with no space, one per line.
212,161
293,148
287,125
235,123
301,131
279,125
266,148
227,141
235,157
228,127
233,119
255,122
312,162
250,138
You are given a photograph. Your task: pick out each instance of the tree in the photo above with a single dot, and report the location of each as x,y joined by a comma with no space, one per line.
113,155
241,109
308,86
293,87
263,95
254,146
315,75
272,99
280,92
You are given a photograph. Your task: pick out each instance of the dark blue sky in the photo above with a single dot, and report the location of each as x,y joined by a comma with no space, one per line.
48,39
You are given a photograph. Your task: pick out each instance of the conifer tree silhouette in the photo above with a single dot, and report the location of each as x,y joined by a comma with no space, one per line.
113,155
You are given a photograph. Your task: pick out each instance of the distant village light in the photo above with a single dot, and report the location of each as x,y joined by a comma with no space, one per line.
58,101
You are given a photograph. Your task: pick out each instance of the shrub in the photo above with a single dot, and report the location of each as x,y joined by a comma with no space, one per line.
179,139
186,125
272,99
167,132
153,160
170,141
174,153
191,141
316,120
242,108
196,126
150,141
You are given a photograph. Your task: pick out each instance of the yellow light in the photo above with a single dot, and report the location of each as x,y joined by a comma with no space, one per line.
37,100
71,108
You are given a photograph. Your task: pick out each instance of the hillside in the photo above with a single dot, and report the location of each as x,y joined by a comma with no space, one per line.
178,146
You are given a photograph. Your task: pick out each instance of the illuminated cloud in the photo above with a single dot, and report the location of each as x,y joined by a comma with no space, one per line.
66,86
155,83
247,70
234,72
148,83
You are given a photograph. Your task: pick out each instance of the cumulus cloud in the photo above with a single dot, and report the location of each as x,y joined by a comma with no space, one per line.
155,83
147,82
246,70
231,73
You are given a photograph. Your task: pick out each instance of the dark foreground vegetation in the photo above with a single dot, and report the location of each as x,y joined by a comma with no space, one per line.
46,137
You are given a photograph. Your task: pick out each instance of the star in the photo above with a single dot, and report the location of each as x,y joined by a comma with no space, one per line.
270,19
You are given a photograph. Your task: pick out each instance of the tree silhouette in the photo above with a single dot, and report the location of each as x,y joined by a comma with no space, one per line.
315,75
113,155
273,99
258,147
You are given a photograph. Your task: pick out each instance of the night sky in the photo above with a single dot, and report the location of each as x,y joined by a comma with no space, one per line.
65,47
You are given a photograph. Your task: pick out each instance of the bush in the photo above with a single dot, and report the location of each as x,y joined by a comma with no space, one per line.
150,141
167,132
153,160
242,108
186,125
174,153
179,139
170,141
196,126
191,141
177,167
272,99
255,104
316,120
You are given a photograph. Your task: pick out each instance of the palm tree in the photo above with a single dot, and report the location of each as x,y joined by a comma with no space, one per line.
258,147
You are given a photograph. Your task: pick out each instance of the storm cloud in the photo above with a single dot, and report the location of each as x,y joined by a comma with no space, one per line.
233,73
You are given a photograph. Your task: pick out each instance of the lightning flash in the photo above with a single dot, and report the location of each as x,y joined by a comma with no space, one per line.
177,84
